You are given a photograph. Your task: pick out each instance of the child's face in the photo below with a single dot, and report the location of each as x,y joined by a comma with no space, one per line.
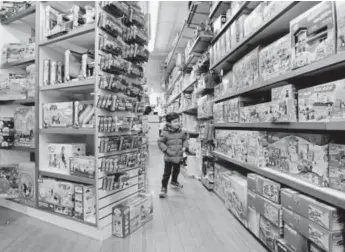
175,123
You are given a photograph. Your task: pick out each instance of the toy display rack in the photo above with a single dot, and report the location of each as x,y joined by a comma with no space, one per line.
79,39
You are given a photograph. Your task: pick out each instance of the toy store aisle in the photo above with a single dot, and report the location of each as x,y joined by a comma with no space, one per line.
189,219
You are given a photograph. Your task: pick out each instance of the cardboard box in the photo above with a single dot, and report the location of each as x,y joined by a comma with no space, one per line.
83,166
336,169
56,196
236,197
132,214
282,246
27,184
286,92
340,14
302,155
269,210
59,155
264,187
269,233
324,239
294,240
58,114
24,118
253,218
254,20
6,125
313,35
9,186
84,114
322,103
324,215
85,203
218,112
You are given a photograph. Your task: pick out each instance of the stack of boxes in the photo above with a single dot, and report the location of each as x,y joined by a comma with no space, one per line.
310,224
264,210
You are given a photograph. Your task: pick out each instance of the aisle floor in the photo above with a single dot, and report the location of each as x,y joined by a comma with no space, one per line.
190,219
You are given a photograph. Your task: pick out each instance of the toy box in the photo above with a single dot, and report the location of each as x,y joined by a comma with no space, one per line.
132,214
24,122
313,35
26,184
9,181
253,217
275,59
324,239
236,197
85,203
324,215
282,111
84,114
285,92
254,20
256,148
83,166
336,169
340,10
31,80
322,103
268,233
6,141
6,125
232,108
56,196
58,114
218,180
14,87
59,156
297,242
282,246
218,112
302,155
269,210
229,86
264,187
246,70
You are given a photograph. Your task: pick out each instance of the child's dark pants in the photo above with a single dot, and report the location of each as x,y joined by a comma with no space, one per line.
169,168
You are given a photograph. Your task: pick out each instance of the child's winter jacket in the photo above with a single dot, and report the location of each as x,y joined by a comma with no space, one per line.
171,142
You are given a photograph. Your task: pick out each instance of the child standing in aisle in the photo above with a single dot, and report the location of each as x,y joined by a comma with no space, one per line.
173,142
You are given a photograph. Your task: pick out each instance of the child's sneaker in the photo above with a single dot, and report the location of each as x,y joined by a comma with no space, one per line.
177,184
163,193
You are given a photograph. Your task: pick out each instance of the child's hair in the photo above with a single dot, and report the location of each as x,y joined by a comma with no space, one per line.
172,116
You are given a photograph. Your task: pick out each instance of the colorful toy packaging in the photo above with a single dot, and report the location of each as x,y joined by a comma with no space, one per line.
313,35
132,214
218,112
26,184
285,92
84,113
275,59
58,114
322,103
58,156
295,241
336,172
13,86
269,234
85,203
330,241
24,122
6,125
340,10
264,187
254,20
324,215
83,166
302,155
9,183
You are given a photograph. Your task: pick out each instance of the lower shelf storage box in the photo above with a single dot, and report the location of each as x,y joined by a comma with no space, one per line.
132,214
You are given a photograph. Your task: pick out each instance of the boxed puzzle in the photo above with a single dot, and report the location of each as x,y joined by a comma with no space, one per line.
59,114
313,35
132,214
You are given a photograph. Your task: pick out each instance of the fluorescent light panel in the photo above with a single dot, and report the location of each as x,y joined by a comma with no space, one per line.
153,10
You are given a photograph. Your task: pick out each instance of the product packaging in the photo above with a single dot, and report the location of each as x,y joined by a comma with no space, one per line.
324,215
285,92
275,59
58,156
254,20
313,35
132,214
85,203
322,103
56,196
340,10
58,114
330,241
84,113
83,166
294,240
269,234
9,181
336,169
302,155
218,112
24,122
264,187
6,125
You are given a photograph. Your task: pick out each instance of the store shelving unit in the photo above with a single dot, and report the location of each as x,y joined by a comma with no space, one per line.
79,39
20,15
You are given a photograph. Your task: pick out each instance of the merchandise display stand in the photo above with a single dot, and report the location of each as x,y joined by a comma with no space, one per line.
90,148
277,118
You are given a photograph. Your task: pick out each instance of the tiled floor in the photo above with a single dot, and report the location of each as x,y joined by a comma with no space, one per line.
190,219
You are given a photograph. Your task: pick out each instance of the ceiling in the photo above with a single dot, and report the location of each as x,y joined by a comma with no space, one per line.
171,17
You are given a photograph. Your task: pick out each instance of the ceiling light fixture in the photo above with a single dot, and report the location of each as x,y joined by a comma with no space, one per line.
153,10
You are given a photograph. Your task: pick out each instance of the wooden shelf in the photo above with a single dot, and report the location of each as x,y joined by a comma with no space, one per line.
86,85
19,63
19,15
68,131
336,61
273,28
77,179
88,28
329,195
